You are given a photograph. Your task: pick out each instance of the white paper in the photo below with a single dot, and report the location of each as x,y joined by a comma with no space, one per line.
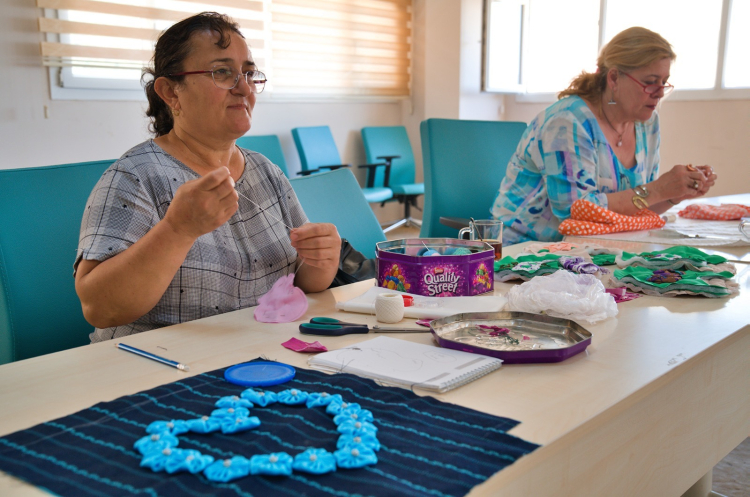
407,364
426,307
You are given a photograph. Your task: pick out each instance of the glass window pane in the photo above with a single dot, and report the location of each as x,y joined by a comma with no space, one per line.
693,32
736,65
504,45
562,41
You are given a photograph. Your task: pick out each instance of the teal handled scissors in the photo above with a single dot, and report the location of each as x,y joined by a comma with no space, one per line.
335,327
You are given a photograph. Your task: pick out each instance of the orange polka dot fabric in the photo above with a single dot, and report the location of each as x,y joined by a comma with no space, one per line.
723,212
587,218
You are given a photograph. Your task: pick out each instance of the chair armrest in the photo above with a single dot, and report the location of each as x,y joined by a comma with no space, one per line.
308,172
389,158
371,168
335,166
454,222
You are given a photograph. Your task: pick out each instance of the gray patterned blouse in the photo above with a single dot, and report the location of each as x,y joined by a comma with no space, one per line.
225,270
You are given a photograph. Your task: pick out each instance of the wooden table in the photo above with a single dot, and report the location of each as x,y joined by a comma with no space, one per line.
660,396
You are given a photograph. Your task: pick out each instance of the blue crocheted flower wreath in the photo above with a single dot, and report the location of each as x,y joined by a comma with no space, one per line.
356,445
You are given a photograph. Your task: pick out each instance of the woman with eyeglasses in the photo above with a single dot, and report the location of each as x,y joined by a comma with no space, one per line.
598,142
187,225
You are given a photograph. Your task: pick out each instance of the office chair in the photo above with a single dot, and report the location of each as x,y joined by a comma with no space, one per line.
390,144
40,218
335,197
268,145
317,150
464,162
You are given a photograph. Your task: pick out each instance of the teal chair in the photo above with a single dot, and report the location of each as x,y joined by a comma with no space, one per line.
464,162
335,197
391,145
317,150
40,218
268,145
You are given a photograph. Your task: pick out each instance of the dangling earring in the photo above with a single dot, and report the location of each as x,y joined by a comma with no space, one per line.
612,99
175,112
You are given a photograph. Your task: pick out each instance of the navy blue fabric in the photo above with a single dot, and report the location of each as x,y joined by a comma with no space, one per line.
428,447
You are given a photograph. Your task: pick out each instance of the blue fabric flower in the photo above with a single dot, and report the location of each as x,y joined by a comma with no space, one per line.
292,397
156,460
238,424
225,470
355,457
278,463
259,398
188,460
315,461
174,427
205,424
321,399
368,440
230,412
357,428
360,415
336,406
155,443
233,401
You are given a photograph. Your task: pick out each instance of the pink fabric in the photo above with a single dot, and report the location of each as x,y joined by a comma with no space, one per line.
723,212
621,294
283,303
300,346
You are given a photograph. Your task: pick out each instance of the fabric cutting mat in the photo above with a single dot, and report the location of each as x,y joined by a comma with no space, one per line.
428,447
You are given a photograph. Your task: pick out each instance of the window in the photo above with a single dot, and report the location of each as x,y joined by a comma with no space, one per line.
357,48
536,47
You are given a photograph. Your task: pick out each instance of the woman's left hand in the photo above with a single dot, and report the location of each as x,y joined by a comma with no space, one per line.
318,244
702,185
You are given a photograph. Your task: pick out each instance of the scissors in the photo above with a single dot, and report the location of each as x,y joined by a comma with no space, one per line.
335,327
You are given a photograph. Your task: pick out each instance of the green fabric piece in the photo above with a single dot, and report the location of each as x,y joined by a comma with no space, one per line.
691,278
685,252
603,259
508,262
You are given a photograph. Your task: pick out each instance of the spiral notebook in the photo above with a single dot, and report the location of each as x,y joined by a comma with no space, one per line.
407,364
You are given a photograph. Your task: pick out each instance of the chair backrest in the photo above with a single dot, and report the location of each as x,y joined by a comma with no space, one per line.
389,140
268,145
335,197
40,218
316,147
464,162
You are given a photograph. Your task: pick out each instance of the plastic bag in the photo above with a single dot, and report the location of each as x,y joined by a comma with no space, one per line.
580,297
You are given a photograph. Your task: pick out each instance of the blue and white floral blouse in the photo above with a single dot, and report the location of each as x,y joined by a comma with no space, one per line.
563,156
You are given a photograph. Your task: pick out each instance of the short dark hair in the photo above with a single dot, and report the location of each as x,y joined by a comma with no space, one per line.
172,48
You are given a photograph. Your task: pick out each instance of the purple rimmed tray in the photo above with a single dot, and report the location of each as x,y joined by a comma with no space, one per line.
553,339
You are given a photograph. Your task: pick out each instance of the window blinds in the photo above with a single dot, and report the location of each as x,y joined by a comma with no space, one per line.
319,48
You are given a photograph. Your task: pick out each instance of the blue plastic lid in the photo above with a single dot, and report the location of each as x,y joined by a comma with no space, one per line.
259,374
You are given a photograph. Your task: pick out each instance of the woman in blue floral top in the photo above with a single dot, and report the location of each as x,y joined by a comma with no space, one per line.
599,142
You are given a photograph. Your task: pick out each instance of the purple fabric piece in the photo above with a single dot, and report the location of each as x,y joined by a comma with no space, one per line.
621,294
577,264
283,303
298,345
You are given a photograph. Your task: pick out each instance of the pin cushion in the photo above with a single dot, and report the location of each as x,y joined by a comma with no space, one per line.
436,267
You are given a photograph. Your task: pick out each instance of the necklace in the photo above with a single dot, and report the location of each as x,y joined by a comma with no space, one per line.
619,135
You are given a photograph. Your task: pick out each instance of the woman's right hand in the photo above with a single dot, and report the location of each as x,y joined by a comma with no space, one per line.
202,205
686,182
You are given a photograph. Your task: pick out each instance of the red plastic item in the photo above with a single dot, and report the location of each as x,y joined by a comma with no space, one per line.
408,300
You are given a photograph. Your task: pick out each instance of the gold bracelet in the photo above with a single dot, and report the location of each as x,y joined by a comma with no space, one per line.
640,203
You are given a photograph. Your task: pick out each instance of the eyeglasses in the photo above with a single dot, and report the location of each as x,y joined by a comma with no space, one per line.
227,78
651,89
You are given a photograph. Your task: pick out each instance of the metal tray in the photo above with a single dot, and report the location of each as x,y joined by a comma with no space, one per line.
550,339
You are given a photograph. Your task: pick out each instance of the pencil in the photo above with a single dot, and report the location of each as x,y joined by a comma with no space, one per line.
175,364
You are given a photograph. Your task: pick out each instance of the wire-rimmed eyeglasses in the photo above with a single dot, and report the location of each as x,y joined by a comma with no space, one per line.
651,89
226,78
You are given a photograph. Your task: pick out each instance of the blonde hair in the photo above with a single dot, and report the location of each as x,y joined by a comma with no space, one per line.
630,49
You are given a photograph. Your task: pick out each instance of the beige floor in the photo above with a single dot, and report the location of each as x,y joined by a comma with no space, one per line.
731,477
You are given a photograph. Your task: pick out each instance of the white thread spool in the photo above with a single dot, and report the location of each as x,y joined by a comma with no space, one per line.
389,308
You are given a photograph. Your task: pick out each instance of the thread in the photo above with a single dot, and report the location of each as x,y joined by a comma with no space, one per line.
389,308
